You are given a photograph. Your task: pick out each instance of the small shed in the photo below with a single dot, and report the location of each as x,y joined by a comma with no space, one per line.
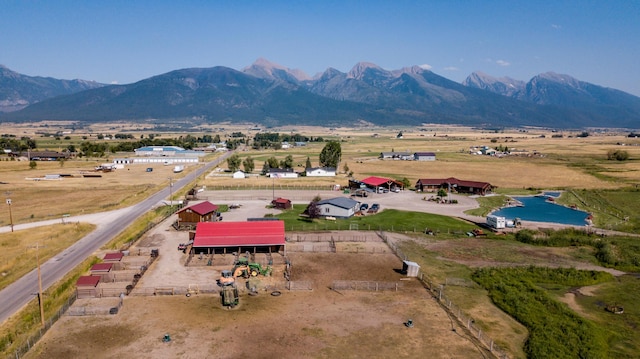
87,286
238,174
281,203
113,257
410,268
102,270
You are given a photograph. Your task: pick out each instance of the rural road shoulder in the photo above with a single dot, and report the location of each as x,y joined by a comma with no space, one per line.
109,224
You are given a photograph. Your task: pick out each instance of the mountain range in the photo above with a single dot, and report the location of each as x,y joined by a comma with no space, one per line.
18,91
272,95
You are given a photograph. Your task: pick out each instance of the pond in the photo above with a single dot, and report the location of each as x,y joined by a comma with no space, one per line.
539,209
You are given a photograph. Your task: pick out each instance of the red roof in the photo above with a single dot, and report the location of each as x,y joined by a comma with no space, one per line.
113,256
88,281
453,181
376,181
229,234
104,267
201,208
281,200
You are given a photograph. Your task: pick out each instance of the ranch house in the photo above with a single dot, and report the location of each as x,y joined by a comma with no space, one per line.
321,172
282,173
338,207
454,185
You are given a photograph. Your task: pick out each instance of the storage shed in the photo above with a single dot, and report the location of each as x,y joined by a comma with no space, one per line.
281,203
87,286
410,268
102,270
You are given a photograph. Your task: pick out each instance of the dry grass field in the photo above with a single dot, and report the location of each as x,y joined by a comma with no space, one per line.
34,200
567,162
19,251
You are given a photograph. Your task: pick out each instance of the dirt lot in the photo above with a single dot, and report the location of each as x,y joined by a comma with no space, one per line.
320,323
317,323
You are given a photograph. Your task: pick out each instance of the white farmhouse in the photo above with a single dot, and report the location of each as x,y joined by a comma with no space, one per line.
321,172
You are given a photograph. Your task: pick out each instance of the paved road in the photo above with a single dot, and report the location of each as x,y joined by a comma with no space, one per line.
19,293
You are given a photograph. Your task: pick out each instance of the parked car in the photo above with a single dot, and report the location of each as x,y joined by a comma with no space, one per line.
364,207
374,208
382,190
360,193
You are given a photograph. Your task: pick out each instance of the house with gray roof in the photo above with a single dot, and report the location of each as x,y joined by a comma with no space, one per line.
339,207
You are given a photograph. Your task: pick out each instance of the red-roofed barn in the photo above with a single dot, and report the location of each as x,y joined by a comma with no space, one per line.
229,237
201,212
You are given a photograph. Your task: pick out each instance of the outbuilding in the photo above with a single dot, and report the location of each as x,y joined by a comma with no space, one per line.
102,270
281,203
238,175
201,212
424,156
238,237
87,286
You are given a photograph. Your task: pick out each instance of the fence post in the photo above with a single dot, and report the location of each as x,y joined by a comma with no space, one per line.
491,346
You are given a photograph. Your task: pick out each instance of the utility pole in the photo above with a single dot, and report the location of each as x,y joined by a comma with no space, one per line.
40,298
10,215
170,191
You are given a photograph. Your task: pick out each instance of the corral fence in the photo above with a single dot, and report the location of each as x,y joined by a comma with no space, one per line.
454,311
329,243
379,227
365,285
362,238
192,289
96,309
32,340
299,285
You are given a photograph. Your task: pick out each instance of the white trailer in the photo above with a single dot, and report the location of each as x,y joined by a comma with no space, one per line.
178,169
496,222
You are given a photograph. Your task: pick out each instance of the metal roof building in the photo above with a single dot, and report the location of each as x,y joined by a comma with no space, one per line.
229,237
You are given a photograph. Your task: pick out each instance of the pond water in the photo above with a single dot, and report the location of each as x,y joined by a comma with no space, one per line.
538,209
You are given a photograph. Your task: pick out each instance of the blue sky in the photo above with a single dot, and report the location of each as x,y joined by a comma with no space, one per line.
127,41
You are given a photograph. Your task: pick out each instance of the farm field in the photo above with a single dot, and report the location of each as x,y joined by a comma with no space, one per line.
571,163
567,163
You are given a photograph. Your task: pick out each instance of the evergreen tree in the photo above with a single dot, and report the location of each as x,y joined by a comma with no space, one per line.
331,154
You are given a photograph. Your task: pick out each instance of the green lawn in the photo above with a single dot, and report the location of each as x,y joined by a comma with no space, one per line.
386,220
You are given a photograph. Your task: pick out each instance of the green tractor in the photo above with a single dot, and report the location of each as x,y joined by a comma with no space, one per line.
243,268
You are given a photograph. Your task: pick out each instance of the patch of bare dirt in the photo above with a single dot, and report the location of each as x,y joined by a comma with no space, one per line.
321,323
